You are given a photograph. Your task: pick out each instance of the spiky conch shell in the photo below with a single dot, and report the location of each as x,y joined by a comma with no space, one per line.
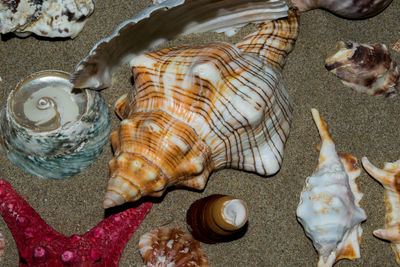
171,247
389,178
196,109
329,207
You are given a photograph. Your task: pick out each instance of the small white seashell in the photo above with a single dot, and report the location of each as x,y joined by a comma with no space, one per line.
329,207
49,18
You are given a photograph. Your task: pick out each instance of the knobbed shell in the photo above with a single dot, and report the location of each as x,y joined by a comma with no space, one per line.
388,177
217,218
50,130
171,247
48,18
196,109
352,9
329,207
364,68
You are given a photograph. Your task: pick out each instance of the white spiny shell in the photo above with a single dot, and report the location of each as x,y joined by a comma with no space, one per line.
329,203
389,178
49,18
164,21
171,247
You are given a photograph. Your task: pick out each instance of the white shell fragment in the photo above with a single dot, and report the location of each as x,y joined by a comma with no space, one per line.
329,207
164,21
48,18
389,178
365,68
50,129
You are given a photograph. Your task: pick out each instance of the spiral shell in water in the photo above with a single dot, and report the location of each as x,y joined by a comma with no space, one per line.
51,130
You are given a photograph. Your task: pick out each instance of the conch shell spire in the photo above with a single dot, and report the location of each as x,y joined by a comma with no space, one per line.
273,49
389,178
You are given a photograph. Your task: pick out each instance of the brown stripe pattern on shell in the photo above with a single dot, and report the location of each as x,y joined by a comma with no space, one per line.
2,246
196,109
171,247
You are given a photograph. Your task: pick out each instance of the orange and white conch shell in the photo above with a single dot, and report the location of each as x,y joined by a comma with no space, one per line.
389,178
329,207
197,109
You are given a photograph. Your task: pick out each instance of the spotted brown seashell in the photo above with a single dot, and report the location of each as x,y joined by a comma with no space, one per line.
353,9
197,109
364,68
48,18
171,247
389,178
396,46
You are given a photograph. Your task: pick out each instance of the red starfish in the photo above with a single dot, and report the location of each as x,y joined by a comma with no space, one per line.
40,245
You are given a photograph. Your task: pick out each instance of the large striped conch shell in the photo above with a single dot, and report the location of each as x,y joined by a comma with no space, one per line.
48,18
365,68
389,178
165,21
329,207
197,109
171,247
352,9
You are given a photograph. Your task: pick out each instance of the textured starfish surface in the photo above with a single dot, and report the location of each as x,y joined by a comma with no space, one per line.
40,245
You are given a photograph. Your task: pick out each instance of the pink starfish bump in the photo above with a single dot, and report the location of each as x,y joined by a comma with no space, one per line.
40,245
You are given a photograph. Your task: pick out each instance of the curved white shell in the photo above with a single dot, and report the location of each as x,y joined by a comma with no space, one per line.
49,18
164,21
329,203
389,178
51,131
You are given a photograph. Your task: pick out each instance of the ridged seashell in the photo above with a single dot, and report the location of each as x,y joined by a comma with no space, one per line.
352,9
166,21
389,178
49,18
217,218
364,68
196,109
329,207
52,130
171,247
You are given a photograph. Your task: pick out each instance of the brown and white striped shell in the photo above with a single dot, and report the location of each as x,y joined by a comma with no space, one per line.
2,246
389,178
171,247
197,109
364,68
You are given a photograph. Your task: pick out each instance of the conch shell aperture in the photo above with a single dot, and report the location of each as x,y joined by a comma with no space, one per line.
197,109
329,207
